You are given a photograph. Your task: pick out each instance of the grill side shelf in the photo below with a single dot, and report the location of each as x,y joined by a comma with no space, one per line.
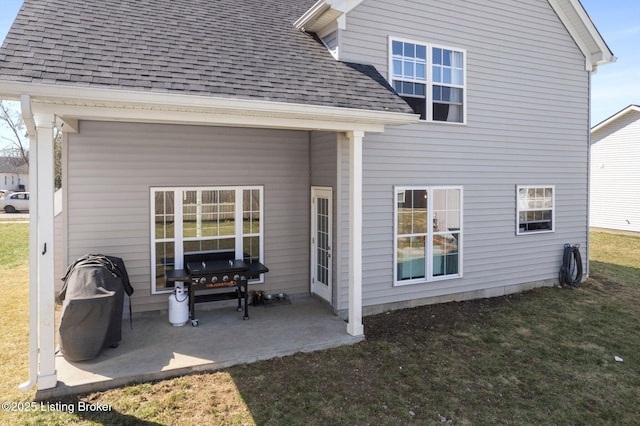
177,275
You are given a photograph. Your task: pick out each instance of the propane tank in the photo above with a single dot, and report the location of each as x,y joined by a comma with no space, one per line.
179,306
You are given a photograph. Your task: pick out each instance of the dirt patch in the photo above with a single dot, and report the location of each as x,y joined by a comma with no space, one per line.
443,317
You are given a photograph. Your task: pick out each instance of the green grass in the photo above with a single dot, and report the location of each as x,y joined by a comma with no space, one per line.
14,276
545,357
14,245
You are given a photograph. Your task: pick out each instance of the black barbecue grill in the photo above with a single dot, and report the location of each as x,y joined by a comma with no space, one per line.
206,271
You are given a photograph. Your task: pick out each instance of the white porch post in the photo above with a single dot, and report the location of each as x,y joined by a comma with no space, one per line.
44,250
355,327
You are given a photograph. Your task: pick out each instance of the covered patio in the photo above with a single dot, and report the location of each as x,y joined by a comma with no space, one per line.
43,112
154,349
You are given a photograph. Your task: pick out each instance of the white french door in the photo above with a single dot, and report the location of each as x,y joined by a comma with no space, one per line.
321,241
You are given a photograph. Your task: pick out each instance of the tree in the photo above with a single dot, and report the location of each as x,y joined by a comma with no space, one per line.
17,138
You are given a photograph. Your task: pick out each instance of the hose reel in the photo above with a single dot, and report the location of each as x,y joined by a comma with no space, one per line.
571,269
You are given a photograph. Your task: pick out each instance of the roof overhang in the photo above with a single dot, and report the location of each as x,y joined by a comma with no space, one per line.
324,14
584,33
71,103
615,117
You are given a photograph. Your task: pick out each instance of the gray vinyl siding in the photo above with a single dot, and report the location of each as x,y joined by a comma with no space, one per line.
59,266
527,124
113,165
615,175
331,41
324,163
323,154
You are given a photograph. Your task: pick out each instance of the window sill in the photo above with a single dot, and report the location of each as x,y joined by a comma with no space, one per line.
425,281
446,123
535,232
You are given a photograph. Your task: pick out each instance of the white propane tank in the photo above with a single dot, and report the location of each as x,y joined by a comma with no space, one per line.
179,307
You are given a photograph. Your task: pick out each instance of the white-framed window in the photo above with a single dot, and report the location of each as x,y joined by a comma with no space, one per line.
427,234
535,209
430,78
203,219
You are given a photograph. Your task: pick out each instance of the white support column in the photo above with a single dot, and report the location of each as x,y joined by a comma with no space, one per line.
355,327
45,250
27,116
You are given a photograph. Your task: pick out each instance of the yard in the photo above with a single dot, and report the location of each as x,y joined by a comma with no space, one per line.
548,356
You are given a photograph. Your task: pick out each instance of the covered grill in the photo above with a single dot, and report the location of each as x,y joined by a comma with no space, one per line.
206,271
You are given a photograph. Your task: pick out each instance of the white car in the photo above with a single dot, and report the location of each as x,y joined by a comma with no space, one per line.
18,201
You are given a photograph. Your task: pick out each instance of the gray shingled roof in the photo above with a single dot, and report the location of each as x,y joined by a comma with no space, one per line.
227,48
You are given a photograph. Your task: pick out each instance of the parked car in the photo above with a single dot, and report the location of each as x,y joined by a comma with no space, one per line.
18,201
4,193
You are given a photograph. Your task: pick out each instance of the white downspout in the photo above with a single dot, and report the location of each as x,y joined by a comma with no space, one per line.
27,116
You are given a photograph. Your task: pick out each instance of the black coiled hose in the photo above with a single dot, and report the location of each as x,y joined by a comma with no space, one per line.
571,270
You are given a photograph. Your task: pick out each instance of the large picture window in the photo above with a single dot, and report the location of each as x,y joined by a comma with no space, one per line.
428,234
431,79
535,211
191,220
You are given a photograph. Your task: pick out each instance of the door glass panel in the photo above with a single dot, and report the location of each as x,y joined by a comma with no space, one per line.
322,240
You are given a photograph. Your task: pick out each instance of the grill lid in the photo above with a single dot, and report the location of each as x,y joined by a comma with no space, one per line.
216,267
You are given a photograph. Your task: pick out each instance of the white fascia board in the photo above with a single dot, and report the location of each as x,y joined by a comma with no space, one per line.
312,15
325,13
76,103
614,117
593,58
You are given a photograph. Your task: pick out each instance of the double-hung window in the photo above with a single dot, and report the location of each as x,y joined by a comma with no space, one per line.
428,234
535,209
203,219
431,79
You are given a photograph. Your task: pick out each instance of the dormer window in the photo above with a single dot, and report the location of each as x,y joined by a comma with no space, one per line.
431,79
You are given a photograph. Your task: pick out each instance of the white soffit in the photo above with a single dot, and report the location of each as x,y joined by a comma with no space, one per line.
324,13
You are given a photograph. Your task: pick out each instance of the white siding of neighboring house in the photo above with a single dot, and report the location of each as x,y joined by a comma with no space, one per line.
527,124
12,181
615,174
111,167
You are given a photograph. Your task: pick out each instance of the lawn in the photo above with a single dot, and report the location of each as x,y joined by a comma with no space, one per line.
542,357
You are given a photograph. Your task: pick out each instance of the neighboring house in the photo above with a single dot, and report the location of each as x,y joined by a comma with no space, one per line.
615,172
278,122
14,174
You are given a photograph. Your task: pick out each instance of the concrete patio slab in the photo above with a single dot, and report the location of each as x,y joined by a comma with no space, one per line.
155,349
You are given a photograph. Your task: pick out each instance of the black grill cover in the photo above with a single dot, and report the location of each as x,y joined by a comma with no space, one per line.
93,296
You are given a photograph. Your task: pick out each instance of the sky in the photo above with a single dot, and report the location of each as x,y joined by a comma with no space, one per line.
613,87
